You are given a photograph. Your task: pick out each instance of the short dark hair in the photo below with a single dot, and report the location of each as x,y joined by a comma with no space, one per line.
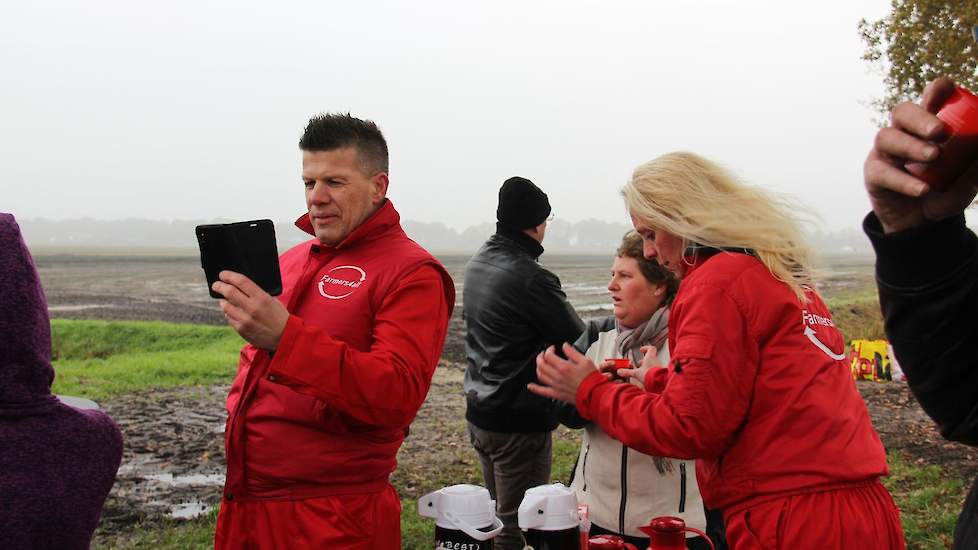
330,131
631,247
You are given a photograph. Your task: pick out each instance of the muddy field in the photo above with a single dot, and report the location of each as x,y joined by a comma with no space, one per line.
174,461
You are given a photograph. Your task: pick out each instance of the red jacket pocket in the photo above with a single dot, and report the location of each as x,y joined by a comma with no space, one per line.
691,347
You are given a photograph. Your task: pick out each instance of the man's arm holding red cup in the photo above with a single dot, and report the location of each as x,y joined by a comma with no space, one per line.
900,200
927,266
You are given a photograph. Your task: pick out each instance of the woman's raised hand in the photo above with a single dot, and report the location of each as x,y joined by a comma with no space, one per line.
559,378
649,361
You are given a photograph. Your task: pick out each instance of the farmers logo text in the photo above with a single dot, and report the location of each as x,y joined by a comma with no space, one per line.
341,281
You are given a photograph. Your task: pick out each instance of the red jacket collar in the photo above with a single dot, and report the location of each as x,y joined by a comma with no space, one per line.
697,263
706,253
378,223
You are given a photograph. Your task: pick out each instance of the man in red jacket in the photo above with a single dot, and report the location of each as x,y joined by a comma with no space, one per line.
337,366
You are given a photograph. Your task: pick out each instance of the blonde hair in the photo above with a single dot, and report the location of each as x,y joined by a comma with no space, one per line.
692,198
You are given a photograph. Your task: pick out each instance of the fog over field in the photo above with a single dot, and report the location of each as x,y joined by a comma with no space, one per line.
590,236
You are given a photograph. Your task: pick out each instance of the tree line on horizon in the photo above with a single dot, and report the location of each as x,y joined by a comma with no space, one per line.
563,237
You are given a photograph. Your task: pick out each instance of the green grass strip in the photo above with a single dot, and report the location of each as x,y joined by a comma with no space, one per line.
100,359
929,502
858,318
101,339
164,534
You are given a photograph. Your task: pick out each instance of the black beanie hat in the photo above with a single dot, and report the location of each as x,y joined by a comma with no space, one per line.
522,205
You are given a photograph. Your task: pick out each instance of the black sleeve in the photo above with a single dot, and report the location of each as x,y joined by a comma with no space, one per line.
928,287
592,330
567,412
568,416
547,305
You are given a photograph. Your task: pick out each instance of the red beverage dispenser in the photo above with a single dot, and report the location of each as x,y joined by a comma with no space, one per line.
669,533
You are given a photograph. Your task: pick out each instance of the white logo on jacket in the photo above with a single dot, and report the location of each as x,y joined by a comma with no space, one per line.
341,281
809,319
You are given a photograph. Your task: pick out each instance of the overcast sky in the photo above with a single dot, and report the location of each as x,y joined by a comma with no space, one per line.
193,110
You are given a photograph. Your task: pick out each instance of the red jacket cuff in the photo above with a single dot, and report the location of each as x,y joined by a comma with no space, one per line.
583,399
655,379
286,343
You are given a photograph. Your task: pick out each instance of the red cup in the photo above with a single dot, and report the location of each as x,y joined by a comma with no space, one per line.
620,363
960,114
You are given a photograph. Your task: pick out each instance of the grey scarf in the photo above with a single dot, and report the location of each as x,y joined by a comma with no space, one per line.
650,333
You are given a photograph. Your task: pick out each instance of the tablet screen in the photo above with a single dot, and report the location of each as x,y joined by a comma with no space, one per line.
245,247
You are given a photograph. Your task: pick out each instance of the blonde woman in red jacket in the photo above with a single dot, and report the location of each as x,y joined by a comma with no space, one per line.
757,388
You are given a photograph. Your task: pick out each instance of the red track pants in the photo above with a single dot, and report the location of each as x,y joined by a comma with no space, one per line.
862,516
341,522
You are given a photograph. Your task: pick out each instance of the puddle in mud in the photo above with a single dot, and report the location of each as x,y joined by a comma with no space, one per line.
79,307
182,510
173,462
189,510
187,480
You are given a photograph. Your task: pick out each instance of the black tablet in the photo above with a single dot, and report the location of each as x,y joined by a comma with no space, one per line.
245,247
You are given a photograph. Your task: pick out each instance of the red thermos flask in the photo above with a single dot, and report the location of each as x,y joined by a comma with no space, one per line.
669,533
